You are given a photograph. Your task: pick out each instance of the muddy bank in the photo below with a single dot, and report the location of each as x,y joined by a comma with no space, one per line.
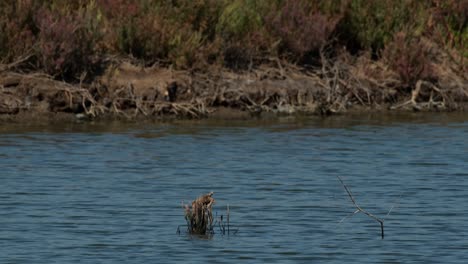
127,91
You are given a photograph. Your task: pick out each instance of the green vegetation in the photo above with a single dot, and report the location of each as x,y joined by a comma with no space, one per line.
67,38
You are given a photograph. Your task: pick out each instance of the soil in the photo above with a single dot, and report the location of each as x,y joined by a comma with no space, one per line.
127,91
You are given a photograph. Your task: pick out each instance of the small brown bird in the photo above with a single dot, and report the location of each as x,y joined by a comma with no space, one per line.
171,92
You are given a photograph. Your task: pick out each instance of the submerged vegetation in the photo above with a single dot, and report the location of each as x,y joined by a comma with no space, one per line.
360,52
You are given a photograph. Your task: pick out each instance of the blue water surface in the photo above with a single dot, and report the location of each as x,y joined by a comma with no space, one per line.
112,192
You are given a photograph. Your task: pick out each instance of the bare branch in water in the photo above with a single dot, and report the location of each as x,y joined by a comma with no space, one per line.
228,218
359,209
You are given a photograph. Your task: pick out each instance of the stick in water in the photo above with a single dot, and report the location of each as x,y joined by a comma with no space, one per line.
359,209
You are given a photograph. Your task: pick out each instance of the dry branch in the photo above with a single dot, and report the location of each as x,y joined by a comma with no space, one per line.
7,67
359,209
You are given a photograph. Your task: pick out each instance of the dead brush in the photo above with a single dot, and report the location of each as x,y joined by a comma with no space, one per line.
200,216
200,220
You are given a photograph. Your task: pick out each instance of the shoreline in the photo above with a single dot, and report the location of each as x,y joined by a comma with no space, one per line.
182,60
125,91
216,114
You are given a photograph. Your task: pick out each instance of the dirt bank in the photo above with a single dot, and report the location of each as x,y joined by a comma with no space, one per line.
128,91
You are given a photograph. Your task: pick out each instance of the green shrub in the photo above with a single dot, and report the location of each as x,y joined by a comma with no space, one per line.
200,15
448,24
192,27
242,32
240,17
171,32
67,37
370,24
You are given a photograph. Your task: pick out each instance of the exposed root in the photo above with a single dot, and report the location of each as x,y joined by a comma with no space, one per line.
191,110
18,62
38,91
338,84
427,96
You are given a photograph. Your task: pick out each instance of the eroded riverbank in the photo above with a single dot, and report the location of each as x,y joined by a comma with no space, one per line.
127,91
179,59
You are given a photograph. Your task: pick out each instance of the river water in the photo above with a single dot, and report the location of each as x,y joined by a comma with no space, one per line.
112,192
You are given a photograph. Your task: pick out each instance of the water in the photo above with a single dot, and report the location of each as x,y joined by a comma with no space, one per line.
112,193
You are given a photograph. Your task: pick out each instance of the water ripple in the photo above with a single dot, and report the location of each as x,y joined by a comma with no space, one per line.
112,196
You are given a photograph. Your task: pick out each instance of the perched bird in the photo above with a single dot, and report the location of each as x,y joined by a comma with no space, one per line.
171,92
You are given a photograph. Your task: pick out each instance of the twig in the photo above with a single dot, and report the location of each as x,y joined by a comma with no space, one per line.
393,206
355,212
6,67
228,218
359,209
401,105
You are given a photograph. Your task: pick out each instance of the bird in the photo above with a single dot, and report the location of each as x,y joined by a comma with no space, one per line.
170,94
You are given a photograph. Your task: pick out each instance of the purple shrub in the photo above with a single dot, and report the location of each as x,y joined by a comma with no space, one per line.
17,29
448,23
301,27
119,9
18,40
65,46
410,58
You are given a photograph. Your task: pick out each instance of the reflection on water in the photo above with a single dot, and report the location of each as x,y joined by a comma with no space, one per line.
111,192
